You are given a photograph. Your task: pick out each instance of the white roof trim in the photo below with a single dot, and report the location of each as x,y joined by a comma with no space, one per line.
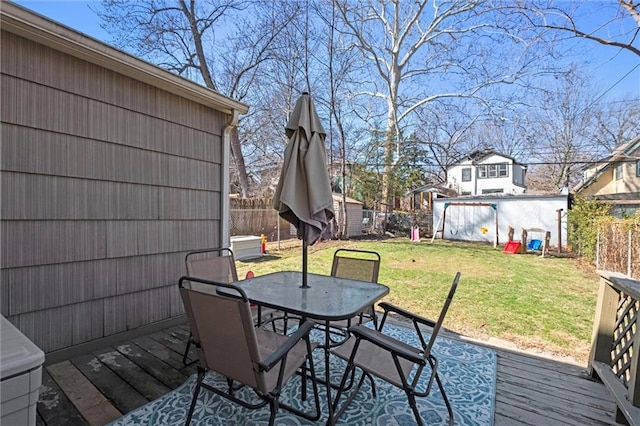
20,21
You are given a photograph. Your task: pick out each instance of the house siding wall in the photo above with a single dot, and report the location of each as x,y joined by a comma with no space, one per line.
512,184
106,182
608,184
466,222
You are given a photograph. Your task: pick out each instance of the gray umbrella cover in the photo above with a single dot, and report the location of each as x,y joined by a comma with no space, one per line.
303,195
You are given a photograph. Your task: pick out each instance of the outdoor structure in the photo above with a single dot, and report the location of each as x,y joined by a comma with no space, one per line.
614,345
475,218
354,215
112,169
422,197
487,172
615,180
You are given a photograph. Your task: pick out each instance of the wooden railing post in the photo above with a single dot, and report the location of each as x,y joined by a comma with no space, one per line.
615,345
604,324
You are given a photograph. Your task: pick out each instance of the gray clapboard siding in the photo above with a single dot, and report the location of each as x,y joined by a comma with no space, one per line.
188,204
42,287
106,182
30,104
146,272
31,150
31,243
73,75
63,326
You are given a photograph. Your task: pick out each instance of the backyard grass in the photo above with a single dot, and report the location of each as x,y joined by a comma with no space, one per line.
543,304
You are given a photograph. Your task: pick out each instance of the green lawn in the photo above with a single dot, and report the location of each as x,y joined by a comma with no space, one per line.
537,303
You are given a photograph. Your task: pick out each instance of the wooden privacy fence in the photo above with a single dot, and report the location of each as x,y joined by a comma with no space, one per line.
259,222
618,248
615,344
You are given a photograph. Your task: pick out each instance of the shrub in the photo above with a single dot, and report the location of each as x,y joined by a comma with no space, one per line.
584,219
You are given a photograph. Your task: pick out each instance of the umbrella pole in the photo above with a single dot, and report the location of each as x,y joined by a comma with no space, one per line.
304,258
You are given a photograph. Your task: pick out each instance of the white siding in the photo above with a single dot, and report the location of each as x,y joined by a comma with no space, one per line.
513,183
466,222
354,215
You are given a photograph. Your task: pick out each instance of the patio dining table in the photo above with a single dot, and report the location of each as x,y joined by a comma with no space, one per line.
326,299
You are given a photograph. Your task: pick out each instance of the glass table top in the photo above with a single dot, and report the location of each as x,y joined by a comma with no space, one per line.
327,298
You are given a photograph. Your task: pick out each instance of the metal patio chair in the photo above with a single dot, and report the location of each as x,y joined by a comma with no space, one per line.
392,360
219,265
229,344
362,265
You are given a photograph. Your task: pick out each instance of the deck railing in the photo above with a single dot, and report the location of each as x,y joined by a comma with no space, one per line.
615,345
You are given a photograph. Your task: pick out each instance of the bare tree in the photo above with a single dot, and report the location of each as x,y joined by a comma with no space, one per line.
197,39
562,138
617,122
422,52
616,25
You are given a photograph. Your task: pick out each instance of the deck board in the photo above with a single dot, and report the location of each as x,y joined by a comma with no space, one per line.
530,389
122,395
150,387
92,404
54,407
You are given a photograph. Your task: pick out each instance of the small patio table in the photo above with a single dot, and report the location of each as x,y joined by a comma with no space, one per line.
326,299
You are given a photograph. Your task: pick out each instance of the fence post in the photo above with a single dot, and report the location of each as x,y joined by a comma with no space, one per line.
629,253
598,249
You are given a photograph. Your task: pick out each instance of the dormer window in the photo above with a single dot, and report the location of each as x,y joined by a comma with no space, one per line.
638,168
618,171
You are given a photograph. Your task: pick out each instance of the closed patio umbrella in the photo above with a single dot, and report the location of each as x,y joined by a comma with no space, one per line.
303,195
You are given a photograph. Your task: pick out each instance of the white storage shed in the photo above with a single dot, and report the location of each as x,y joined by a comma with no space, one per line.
354,215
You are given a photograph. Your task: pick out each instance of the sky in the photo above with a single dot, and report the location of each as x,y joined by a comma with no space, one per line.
615,73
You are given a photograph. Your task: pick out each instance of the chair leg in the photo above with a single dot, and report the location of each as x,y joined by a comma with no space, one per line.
414,407
446,400
186,352
374,317
196,391
273,406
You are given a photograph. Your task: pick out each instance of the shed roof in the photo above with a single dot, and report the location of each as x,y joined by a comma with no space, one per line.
338,198
32,26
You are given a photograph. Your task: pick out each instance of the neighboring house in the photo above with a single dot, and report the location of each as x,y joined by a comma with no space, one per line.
615,180
111,170
487,172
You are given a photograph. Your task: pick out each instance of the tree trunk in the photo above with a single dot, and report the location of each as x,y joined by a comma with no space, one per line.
238,159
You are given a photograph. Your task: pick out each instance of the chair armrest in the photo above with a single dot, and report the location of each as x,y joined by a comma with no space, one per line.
302,331
388,307
387,343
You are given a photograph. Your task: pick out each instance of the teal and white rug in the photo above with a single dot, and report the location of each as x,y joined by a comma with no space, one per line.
468,373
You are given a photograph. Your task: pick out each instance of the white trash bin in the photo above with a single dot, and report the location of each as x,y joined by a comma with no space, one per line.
20,376
246,247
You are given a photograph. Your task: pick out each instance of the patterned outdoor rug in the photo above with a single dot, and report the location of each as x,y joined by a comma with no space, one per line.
467,371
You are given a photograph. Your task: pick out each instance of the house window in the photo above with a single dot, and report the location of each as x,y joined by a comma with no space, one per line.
638,168
492,191
466,174
493,171
618,171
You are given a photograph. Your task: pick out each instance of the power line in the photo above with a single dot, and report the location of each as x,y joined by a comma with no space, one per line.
532,163
613,85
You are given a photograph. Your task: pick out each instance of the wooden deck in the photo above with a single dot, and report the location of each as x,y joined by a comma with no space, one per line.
97,387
